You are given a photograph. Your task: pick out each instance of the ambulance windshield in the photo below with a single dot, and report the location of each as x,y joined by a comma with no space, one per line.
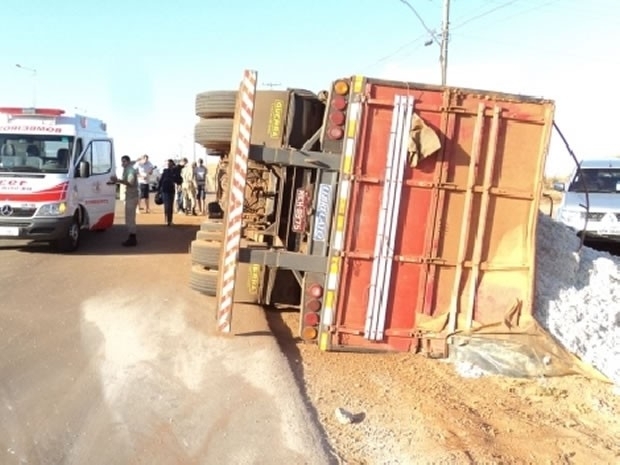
35,153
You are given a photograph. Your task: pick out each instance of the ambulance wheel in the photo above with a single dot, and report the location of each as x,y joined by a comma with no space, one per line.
214,134
206,253
203,280
216,104
71,240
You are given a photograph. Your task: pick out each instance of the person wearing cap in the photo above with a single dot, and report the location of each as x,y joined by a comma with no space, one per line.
129,193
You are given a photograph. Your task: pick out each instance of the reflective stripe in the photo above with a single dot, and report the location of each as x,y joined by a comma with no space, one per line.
324,342
357,84
236,195
340,216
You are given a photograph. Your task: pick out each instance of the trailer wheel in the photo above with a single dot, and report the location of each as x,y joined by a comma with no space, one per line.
206,253
216,104
211,226
213,236
214,134
203,280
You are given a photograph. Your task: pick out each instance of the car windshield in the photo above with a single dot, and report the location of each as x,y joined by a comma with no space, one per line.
597,180
35,153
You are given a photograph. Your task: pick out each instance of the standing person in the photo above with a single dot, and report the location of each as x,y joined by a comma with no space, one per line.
179,168
167,188
145,170
189,188
129,193
201,183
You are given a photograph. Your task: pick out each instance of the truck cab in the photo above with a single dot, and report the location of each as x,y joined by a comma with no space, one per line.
591,200
53,174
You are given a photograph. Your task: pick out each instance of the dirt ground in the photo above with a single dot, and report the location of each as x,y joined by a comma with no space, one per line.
416,410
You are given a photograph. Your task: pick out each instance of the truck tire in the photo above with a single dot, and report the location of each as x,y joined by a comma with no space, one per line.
216,104
206,253
213,236
203,280
211,226
214,134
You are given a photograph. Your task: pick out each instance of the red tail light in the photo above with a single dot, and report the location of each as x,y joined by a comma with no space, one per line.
313,305
339,103
337,118
311,319
335,133
316,291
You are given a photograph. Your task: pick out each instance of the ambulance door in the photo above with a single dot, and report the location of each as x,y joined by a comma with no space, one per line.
93,169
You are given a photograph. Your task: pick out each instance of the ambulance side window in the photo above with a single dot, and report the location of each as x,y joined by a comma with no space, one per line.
99,155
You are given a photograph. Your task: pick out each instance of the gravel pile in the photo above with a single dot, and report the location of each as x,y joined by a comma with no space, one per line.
578,296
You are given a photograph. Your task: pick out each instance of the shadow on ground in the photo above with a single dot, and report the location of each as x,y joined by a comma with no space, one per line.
289,346
152,239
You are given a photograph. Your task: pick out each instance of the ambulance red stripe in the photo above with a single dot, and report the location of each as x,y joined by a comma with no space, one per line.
57,193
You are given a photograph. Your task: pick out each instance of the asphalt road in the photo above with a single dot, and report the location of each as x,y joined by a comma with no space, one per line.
107,357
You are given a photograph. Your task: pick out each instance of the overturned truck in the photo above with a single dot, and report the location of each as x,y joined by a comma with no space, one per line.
392,214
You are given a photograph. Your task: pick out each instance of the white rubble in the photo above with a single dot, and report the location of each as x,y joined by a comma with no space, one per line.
578,296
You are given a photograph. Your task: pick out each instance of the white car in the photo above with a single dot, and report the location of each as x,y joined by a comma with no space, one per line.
598,215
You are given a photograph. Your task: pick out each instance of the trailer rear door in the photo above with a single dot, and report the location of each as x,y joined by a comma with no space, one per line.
447,243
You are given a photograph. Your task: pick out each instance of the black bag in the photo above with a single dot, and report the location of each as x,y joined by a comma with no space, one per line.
158,198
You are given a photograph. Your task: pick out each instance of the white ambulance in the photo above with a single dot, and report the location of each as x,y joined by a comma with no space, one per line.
53,174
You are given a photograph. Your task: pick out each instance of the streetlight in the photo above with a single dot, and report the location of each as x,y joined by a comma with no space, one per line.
34,82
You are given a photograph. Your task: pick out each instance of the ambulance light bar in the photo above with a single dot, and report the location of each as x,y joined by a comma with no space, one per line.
14,111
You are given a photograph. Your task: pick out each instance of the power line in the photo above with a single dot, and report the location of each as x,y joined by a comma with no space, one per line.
483,14
415,12
550,51
396,52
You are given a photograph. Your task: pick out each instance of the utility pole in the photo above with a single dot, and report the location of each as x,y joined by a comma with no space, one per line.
445,36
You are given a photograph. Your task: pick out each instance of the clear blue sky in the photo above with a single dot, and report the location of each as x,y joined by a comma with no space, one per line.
139,67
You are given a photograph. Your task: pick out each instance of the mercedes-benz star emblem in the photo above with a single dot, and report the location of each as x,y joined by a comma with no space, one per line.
6,210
